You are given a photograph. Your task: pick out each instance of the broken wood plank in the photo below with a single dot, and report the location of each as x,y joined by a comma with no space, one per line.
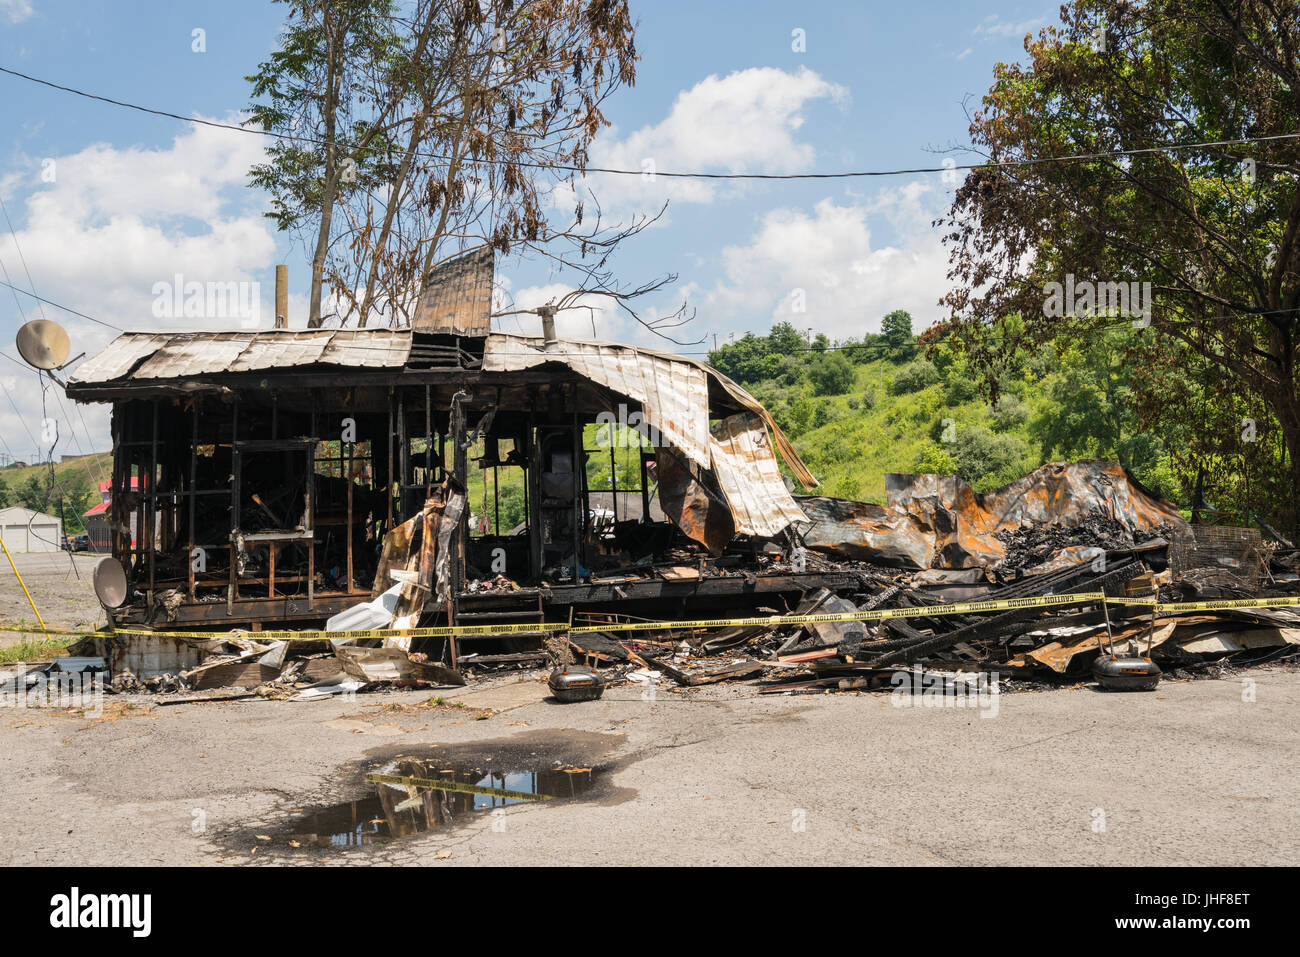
201,699
704,676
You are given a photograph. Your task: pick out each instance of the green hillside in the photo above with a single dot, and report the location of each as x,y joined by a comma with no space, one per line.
851,440
74,485
857,410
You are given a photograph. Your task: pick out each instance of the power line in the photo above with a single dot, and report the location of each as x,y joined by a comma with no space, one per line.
40,376
1006,164
50,302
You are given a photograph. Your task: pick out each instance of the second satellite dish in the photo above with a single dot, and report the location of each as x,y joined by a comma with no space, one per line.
44,344
110,582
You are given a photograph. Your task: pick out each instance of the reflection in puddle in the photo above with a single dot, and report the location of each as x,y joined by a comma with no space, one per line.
412,796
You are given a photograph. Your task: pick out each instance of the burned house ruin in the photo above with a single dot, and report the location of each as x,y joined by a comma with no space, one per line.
272,473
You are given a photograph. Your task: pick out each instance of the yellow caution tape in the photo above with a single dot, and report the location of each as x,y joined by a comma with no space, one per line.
761,621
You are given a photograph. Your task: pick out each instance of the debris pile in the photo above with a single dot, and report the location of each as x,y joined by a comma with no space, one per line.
1037,581
1083,530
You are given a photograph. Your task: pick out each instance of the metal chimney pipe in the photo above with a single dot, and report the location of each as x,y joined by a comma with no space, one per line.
282,296
548,325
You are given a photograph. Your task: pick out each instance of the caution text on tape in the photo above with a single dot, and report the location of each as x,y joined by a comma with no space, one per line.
760,621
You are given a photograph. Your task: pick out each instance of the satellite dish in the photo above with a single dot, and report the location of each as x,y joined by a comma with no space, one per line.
44,344
110,582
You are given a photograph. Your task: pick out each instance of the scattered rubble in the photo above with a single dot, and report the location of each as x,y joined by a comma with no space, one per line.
1034,631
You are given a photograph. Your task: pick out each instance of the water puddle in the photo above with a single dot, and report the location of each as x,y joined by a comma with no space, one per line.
401,792
413,796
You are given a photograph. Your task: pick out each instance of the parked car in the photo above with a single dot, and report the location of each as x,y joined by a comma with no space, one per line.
76,543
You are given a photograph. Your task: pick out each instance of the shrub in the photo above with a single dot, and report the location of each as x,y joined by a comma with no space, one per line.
959,385
935,460
1009,412
831,374
913,377
986,459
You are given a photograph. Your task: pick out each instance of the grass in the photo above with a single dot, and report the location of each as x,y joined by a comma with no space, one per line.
852,452
79,472
40,649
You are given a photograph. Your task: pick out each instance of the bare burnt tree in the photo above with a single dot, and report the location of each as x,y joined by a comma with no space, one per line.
445,126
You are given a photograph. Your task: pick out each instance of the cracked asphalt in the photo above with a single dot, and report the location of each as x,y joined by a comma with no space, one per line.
1195,773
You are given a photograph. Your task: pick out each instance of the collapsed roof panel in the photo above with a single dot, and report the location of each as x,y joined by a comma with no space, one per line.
673,394
937,520
457,299
750,480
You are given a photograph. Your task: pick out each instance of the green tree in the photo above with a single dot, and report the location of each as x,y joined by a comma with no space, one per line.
831,374
32,495
1008,412
896,330
1213,230
936,460
786,340
749,359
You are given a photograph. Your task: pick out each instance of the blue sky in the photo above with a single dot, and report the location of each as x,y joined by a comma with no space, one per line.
136,199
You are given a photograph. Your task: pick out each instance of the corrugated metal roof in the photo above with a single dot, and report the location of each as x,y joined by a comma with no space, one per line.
119,357
673,393
457,298
749,477
180,359
178,355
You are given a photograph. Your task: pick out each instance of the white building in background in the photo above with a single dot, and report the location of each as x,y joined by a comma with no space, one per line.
25,530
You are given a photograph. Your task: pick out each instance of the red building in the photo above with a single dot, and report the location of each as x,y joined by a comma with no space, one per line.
101,536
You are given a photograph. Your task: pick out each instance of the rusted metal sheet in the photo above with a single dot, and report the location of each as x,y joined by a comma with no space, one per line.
749,477
1060,655
865,532
936,520
457,298
181,355
783,444
293,349
367,348
673,390
690,501
673,393
1065,493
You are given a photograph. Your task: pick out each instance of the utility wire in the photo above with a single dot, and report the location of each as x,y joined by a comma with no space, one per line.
56,305
1006,164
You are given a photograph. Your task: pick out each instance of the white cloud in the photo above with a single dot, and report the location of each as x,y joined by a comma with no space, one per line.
116,221
593,317
745,122
16,10
826,258
994,27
